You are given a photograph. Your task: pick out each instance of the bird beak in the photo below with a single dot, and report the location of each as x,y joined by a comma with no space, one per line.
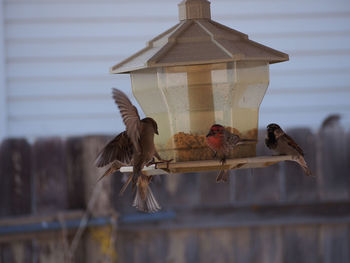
209,133
156,132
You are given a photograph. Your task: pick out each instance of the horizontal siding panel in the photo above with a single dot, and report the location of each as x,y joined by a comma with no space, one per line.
309,79
42,107
330,99
60,69
59,53
91,29
70,68
311,90
127,11
146,36
57,30
246,10
277,78
105,105
33,128
73,49
46,108
322,45
26,109
317,62
62,88
325,42
308,118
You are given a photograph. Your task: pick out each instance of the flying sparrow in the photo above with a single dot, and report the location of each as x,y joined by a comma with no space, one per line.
278,141
221,141
133,146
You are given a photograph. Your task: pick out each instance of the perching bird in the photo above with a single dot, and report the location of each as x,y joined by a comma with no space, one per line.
221,141
278,141
134,146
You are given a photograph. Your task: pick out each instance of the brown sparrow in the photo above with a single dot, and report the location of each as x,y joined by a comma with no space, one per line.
278,141
133,146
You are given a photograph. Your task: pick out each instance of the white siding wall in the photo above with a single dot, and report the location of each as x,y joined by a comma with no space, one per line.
58,53
3,105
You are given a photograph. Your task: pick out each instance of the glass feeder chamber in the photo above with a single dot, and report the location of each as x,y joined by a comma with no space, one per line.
196,74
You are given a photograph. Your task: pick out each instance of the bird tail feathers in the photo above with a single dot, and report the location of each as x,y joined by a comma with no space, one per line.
144,199
301,161
246,141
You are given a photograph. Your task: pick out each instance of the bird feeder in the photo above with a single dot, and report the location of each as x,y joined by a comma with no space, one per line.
196,74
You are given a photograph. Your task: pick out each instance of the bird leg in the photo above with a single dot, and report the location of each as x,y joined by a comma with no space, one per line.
160,161
223,174
131,177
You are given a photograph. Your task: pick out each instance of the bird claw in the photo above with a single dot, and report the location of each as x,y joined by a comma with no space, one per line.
163,161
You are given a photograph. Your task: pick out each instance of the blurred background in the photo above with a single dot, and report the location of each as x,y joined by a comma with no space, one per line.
56,113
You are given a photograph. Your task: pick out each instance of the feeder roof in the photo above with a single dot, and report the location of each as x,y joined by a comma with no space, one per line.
198,40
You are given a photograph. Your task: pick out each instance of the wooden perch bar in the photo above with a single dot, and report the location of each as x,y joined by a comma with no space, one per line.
211,165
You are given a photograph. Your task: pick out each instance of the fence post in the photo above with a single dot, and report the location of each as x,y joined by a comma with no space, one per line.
299,187
15,193
99,241
50,196
333,170
50,175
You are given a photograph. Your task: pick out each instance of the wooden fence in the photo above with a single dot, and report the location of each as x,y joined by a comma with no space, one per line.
275,214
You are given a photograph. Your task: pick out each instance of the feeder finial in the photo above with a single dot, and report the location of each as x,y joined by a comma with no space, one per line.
194,9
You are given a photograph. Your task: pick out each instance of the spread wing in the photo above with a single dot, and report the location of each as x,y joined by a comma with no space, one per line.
120,148
130,117
293,144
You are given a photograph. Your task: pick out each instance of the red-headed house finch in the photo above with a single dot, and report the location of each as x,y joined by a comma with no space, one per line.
221,141
134,146
278,141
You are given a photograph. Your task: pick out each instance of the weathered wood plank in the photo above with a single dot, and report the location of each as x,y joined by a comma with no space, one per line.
50,175
96,198
51,189
268,245
299,187
335,243
332,163
183,190
100,245
6,254
212,193
216,246
242,248
75,173
266,182
240,186
122,204
53,249
183,246
16,252
301,244
142,246
15,194
15,177
91,146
